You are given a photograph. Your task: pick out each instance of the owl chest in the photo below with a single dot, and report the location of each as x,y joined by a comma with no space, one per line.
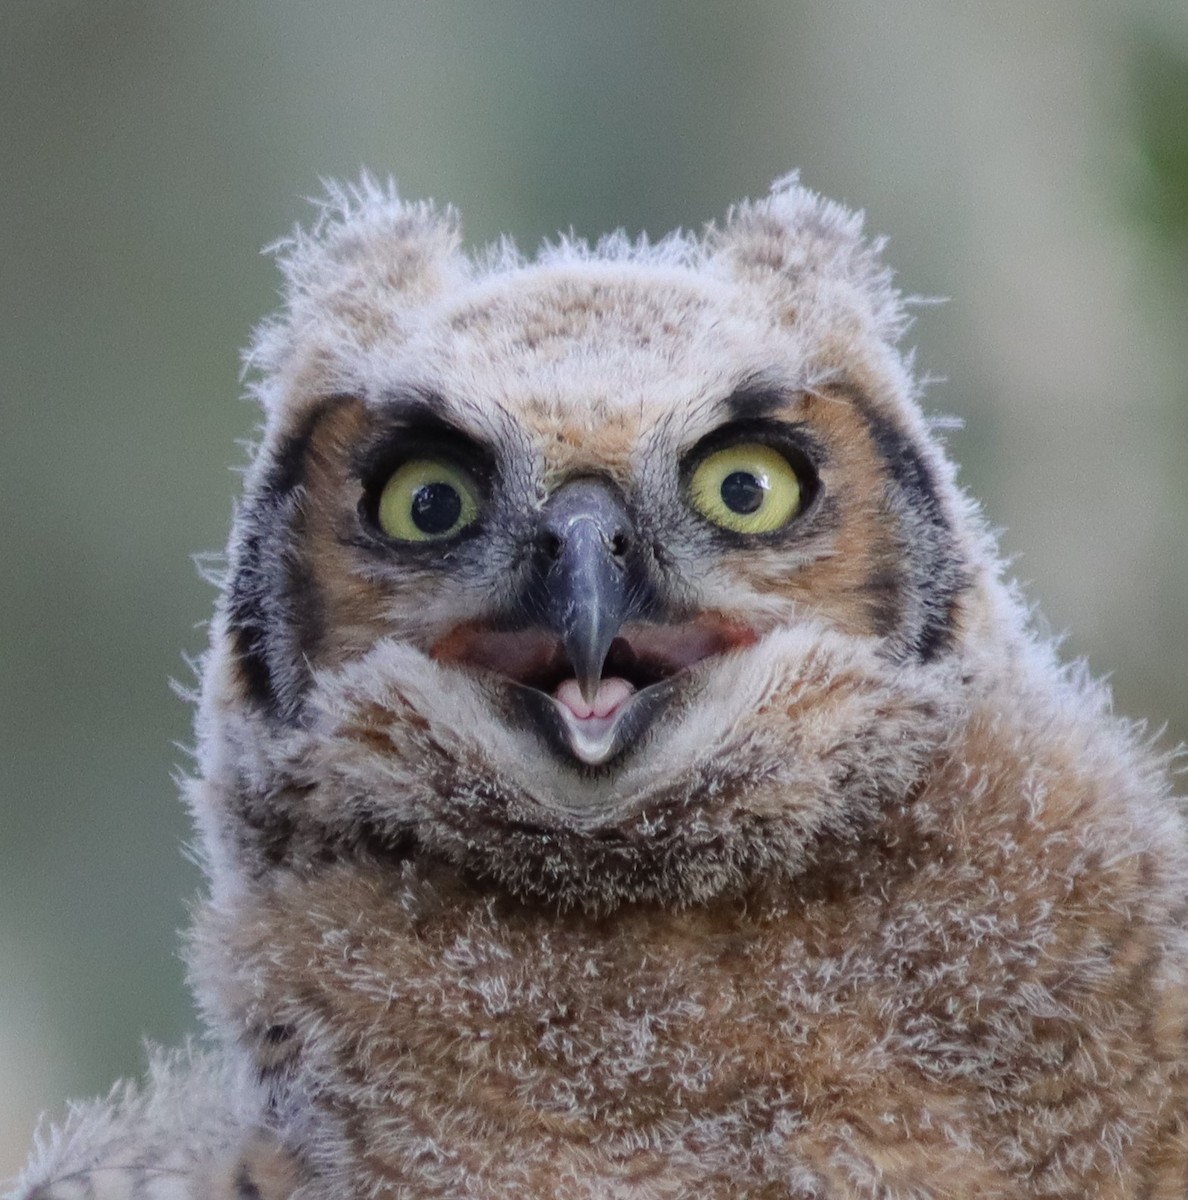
645,1079
635,1057
567,1040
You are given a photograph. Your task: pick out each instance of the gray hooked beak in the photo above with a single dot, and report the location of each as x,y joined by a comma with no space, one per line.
585,535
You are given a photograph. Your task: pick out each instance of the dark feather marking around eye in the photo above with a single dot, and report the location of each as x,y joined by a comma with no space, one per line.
932,578
271,591
755,400
413,423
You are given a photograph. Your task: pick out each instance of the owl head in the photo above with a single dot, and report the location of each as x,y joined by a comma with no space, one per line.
629,573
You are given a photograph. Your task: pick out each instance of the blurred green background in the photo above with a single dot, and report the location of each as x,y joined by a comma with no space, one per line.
1030,161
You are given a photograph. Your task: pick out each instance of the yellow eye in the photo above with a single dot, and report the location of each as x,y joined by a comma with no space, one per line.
748,488
427,499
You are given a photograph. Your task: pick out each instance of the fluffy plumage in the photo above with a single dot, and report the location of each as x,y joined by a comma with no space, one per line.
858,893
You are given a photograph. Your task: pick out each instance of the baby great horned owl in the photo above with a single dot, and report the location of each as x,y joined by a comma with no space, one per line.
624,773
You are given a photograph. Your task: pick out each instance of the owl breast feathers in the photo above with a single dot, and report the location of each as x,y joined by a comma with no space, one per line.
625,773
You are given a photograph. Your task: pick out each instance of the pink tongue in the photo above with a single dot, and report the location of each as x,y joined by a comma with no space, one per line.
611,693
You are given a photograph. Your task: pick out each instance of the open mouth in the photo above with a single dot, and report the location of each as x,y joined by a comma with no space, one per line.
598,722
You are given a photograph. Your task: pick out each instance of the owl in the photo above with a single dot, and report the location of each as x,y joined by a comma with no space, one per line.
625,773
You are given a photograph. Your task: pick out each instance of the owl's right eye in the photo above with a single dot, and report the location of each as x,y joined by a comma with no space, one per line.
427,500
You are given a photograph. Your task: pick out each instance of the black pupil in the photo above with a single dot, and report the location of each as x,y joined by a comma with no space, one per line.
742,492
436,508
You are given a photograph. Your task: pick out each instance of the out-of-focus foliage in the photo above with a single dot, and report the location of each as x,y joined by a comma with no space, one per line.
1028,161
1159,76
1158,89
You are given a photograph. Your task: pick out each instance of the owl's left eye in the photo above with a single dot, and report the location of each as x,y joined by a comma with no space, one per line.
749,487
427,500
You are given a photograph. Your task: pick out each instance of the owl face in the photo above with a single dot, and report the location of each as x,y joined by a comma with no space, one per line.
609,575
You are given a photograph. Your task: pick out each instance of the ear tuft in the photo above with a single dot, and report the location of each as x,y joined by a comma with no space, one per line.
815,253
368,261
366,236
